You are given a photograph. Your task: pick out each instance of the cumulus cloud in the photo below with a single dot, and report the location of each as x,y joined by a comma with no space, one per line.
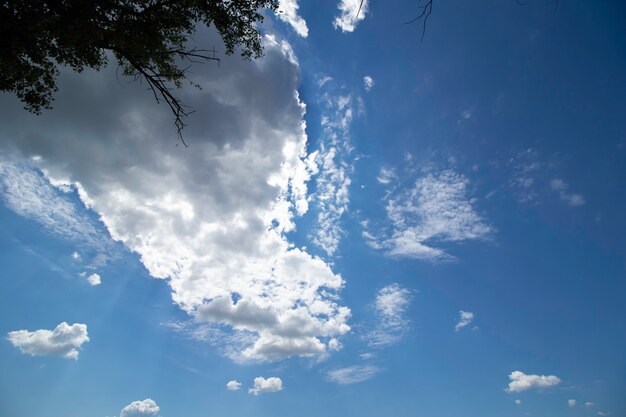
212,218
145,408
588,404
233,385
368,83
465,318
391,304
263,385
351,13
571,403
353,374
522,382
571,199
435,210
93,279
65,340
288,12
518,402
333,180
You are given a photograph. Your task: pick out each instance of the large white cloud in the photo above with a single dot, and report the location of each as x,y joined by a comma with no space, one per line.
523,382
434,210
263,385
351,13
65,340
391,304
209,218
145,408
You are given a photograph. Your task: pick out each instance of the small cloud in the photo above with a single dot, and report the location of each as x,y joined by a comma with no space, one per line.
368,83
334,344
353,374
571,199
466,115
588,404
391,304
262,385
465,318
94,279
288,13
75,256
603,413
233,385
386,175
518,402
366,356
64,340
352,12
145,408
571,403
522,382
558,184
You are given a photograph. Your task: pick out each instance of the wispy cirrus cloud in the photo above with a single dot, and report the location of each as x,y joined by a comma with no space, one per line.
353,374
332,194
571,199
435,210
30,194
390,305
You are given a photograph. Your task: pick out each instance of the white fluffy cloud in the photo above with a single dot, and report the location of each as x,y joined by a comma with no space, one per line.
571,403
465,318
368,83
211,218
351,13
353,374
435,210
233,385
145,408
64,340
94,279
391,304
518,402
522,382
263,385
288,12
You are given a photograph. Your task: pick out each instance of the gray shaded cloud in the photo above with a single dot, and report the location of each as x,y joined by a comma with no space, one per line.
211,218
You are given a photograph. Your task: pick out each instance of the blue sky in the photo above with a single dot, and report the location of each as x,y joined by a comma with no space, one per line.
363,224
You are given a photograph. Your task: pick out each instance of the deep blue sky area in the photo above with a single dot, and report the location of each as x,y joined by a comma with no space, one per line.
364,223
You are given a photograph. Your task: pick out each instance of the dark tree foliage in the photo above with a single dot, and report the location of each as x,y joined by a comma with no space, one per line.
148,38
